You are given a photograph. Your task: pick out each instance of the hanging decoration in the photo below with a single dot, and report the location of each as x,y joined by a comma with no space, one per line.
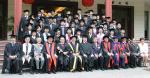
28,1
87,3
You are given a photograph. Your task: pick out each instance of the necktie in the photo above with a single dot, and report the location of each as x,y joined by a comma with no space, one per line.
12,44
51,26
26,49
39,34
46,34
63,31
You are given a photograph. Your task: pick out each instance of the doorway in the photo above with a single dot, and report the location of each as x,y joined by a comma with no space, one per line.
123,14
52,5
3,19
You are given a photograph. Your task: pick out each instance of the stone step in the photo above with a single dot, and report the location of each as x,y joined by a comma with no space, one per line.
1,50
1,65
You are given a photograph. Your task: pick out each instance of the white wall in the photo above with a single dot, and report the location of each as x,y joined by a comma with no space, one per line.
138,19
147,8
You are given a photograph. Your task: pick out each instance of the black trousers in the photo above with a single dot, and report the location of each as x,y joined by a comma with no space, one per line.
12,65
88,62
133,60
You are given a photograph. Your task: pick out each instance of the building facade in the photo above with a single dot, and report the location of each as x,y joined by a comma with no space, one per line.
133,14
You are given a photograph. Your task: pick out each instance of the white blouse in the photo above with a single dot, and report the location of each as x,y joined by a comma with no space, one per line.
143,48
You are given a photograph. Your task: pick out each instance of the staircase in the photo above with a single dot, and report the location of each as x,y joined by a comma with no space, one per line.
2,47
3,43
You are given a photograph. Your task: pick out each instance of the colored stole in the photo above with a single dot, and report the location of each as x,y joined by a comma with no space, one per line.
52,55
75,58
107,46
124,46
116,48
77,48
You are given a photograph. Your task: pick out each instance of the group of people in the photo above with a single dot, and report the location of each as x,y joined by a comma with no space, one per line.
52,41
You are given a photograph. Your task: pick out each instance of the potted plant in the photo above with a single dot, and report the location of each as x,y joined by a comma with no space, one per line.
10,26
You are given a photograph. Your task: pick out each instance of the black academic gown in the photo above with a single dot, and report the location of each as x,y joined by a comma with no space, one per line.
63,60
74,60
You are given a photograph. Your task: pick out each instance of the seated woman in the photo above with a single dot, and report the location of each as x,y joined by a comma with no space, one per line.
38,54
143,51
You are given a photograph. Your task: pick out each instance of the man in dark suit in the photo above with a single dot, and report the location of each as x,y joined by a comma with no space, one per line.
90,35
88,56
134,53
12,54
29,30
63,27
23,23
51,26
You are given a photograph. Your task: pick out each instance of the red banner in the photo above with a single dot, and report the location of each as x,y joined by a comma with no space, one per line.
28,1
87,3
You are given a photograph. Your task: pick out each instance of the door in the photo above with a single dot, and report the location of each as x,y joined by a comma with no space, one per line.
3,19
123,14
52,5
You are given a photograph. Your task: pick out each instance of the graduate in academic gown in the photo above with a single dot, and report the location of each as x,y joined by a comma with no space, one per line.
98,57
107,52
51,26
63,57
12,54
124,53
74,54
63,27
33,37
23,23
116,51
46,34
57,35
90,35
29,30
49,50
79,36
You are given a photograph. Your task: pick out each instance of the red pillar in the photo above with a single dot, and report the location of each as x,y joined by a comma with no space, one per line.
17,14
108,8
